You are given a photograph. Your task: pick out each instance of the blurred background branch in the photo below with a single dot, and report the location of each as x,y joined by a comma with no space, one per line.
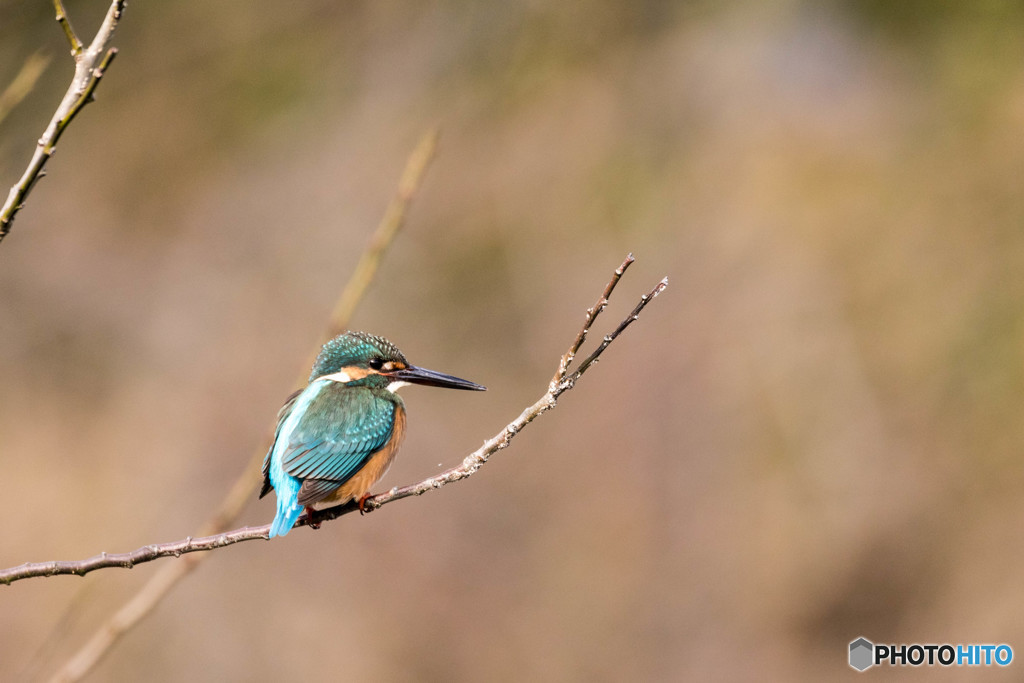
22,84
245,486
394,218
90,65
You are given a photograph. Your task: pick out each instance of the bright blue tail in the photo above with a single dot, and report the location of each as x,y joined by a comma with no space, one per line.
288,510
285,519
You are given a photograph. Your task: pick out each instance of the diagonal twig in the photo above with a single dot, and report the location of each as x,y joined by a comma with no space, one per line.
592,313
609,338
65,23
470,464
90,65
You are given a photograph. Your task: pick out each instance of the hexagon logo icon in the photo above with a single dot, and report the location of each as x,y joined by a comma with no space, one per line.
862,653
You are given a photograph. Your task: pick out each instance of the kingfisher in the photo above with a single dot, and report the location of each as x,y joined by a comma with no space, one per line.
338,436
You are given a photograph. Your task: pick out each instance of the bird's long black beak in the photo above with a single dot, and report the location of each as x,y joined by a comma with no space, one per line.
415,375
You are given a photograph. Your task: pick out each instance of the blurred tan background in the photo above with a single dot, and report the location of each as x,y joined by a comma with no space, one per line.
813,435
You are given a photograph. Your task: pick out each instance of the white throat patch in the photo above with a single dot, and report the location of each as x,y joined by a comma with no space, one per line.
340,376
395,386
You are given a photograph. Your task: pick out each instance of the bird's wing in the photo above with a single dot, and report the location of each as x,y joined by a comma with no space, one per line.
282,415
338,432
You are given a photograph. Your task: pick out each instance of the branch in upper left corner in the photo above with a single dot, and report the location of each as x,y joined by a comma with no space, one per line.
90,65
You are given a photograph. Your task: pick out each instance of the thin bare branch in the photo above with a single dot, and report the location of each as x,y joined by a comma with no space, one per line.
65,23
244,488
608,339
592,313
90,65
470,464
23,83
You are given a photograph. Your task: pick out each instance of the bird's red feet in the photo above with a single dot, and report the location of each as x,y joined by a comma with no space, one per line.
311,518
362,503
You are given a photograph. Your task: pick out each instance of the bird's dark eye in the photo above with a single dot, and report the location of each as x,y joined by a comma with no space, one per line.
376,363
